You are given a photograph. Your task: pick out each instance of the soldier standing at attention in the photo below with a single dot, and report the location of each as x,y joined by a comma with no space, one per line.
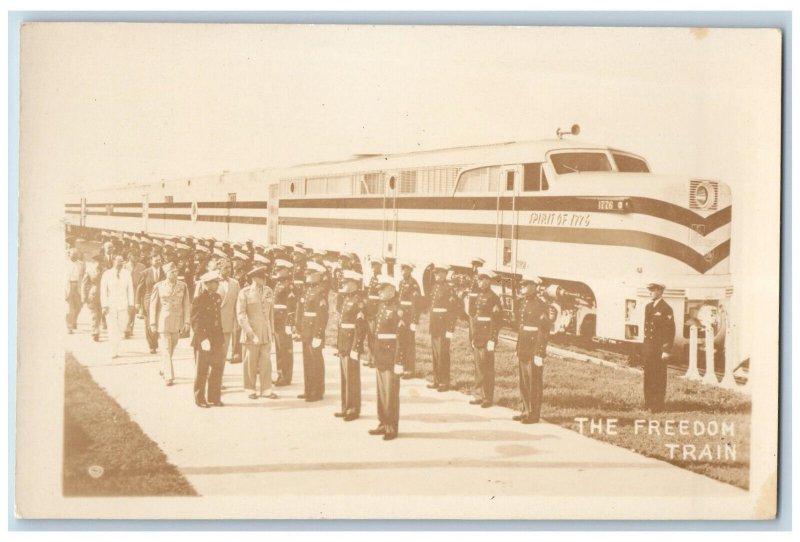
442,324
409,294
388,360
299,282
534,332
350,343
90,293
338,279
312,333
659,334
472,294
285,306
254,311
207,341
170,315
373,299
488,317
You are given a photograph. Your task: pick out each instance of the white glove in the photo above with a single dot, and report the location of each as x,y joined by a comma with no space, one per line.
316,343
287,330
537,360
664,356
255,339
448,335
413,326
398,369
205,345
490,346
354,355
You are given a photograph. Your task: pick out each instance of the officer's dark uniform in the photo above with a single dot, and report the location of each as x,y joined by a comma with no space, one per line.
206,324
486,327
373,301
534,332
659,334
472,296
409,294
442,321
283,313
388,321
338,281
352,331
315,318
299,286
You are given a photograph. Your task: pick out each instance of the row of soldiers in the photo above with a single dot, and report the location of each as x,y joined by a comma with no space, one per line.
286,291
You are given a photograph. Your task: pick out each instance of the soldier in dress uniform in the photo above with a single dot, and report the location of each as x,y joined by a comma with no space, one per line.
659,335
338,279
409,294
90,292
170,315
487,321
472,294
350,343
388,359
532,337
208,341
285,306
442,324
373,300
299,282
254,310
312,333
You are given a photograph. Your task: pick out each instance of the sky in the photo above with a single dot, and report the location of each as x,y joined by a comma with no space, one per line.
109,105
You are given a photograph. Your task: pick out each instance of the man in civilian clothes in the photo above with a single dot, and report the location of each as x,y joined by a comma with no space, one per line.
486,327
170,313
147,281
135,268
90,293
533,335
76,268
285,306
409,294
228,291
312,333
659,334
208,341
442,324
254,314
350,342
116,298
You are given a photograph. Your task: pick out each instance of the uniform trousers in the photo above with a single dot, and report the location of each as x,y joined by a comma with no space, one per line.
655,379
170,341
131,320
408,350
313,371
152,336
257,366
372,341
284,355
530,388
483,387
73,305
209,366
97,317
117,322
350,372
388,399
440,355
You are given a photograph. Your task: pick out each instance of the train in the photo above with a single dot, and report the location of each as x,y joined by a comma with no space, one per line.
592,221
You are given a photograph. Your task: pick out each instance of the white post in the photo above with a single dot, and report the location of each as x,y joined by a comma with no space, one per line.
692,373
730,352
710,377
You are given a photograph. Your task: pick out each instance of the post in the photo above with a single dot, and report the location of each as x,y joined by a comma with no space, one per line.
728,381
710,377
692,373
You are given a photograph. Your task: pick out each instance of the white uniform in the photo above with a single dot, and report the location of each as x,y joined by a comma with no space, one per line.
116,297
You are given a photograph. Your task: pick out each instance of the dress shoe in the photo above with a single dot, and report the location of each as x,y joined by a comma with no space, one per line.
380,430
365,364
433,386
486,404
339,414
407,376
271,396
253,396
390,435
313,399
69,331
217,403
518,418
202,404
301,396
476,402
442,388
96,338
170,382
529,420
350,417
153,350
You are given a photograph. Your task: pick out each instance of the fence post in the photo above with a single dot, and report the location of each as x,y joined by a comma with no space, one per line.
728,381
692,373
710,377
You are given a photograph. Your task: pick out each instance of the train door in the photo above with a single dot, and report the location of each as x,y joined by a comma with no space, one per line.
507,219
272,214
389,248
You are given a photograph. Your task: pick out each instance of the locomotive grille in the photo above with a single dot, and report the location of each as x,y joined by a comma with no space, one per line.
711,189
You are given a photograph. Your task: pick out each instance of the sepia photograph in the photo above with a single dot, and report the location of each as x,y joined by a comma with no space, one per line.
398,272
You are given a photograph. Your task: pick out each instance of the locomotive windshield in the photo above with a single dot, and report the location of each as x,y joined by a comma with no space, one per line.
630,164
576,162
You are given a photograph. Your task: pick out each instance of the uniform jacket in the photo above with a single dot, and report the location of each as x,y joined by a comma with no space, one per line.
388,323
116,290
254,312
409,293
659,327
534,328
90,285
315,314
206,321
444,307
147,280
170,306
487,318
373,299
285,304
352,324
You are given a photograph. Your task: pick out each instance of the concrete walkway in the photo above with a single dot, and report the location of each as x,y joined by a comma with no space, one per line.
290,447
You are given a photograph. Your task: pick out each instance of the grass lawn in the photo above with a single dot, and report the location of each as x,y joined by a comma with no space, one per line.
575,389
98,433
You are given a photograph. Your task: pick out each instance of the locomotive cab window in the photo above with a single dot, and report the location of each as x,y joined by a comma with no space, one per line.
534,178
577,162
630,164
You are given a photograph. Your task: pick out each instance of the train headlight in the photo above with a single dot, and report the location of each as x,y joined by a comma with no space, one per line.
702,196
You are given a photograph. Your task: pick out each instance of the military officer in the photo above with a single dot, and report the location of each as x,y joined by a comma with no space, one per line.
170,315
659,334
409,294
441,327
338,279
532,337
254,311
373,300
350,343
312,333
388,361
147,280
208,341
487,321
299,281
90,292
285,306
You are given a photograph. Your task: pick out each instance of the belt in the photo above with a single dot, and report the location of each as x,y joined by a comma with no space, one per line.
374,297
484,318
439,309
530,328
299,281
279,306
347,326
473,295
408,303
309,314
387,335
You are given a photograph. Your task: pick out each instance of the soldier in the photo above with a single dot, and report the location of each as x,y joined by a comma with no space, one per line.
207,341
352,330
299,282
255,316
90,293
170,316
338,279
373,300
116,297
76,268
147,281
659,334
409,294
135,268
388,364
487,320
285,306
312,333
442,324
534,332
472,294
